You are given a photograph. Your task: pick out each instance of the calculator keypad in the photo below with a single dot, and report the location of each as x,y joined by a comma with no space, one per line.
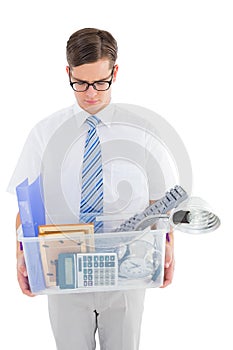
97,270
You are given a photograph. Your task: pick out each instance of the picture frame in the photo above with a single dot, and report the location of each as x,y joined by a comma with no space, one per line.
65,238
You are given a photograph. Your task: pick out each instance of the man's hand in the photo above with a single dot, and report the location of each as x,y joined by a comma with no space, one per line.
169,264
22,275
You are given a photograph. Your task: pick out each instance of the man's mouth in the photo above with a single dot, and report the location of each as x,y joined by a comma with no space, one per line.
91,102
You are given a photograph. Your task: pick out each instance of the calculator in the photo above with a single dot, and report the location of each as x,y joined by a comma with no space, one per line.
90,270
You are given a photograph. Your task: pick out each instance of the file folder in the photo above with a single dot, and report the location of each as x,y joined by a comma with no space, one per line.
32,214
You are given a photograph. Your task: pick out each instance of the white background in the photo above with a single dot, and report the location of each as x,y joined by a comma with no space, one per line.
183,51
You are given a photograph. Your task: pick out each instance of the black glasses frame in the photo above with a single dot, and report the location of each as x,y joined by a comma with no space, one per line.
72,83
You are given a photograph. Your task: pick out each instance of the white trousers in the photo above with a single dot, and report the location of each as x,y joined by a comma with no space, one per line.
117,316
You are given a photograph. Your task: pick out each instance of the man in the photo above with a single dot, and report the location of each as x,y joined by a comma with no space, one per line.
55,149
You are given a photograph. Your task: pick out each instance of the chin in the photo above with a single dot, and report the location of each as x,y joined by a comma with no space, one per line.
94,108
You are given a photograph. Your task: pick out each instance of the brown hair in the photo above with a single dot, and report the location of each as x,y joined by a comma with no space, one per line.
89,45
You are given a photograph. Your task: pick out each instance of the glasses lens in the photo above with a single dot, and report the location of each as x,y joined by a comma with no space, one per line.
80,86
101,85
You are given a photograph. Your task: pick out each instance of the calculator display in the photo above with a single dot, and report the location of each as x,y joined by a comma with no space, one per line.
68,271
66,274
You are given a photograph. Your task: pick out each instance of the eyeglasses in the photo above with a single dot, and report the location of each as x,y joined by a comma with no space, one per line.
99,85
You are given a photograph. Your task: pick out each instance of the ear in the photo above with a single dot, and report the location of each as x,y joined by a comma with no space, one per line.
115,72
68,70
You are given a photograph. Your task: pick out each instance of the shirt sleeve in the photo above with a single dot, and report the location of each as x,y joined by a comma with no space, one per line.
29,163
160,166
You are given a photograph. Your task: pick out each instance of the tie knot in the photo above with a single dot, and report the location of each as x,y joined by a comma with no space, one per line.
92,121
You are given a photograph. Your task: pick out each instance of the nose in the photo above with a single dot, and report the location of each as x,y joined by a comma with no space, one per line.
91,92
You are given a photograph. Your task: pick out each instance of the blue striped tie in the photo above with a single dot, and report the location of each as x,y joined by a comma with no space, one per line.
92,177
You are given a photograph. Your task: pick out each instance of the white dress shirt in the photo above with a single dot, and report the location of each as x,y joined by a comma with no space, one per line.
137,167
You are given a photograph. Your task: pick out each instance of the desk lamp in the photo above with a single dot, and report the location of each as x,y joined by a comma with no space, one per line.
187,214
194,216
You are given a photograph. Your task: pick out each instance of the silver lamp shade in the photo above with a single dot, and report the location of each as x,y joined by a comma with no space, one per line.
194,216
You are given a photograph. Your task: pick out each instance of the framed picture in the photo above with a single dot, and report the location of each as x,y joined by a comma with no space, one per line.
57,239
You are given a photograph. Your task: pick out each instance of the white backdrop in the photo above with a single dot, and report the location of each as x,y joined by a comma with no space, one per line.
183,50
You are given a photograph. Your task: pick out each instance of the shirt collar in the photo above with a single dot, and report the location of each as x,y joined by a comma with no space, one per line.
105,115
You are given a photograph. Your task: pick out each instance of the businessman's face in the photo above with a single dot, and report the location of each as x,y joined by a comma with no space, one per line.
92,100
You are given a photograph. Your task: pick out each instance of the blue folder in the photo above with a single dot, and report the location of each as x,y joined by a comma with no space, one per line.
32,214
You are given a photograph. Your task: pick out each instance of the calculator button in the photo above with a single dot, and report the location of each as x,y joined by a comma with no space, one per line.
109,264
